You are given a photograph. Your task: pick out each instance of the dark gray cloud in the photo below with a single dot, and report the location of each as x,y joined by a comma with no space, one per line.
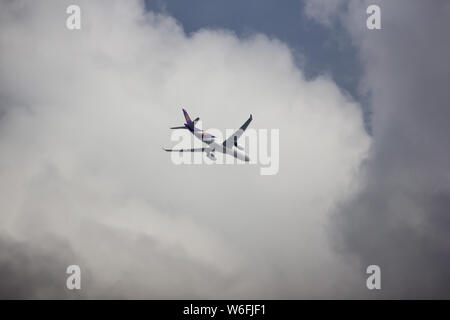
32,270
400,217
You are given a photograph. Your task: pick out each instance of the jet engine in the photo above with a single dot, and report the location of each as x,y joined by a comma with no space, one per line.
207,138
210,155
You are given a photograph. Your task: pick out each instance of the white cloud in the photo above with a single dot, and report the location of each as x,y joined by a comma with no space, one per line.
86,113
399,218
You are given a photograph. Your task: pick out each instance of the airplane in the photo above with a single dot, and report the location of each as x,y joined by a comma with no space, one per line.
229,146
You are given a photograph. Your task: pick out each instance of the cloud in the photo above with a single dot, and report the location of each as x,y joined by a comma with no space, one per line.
84,116
399,219
323,11
32,270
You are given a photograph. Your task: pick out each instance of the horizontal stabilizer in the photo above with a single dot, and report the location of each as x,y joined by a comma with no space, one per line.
180,127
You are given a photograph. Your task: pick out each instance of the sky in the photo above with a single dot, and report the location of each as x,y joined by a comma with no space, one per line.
363,176
317,49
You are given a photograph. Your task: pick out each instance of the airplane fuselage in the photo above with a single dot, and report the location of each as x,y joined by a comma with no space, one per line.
229,146
217,147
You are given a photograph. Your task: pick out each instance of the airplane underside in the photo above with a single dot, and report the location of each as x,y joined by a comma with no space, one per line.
229,146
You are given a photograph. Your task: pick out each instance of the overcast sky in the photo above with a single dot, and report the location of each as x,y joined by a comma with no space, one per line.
364,169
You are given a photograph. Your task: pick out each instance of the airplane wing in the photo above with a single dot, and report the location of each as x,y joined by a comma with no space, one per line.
186,150
232,140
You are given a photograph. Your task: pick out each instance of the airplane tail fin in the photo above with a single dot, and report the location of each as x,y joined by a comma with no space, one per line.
186,116
189,122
